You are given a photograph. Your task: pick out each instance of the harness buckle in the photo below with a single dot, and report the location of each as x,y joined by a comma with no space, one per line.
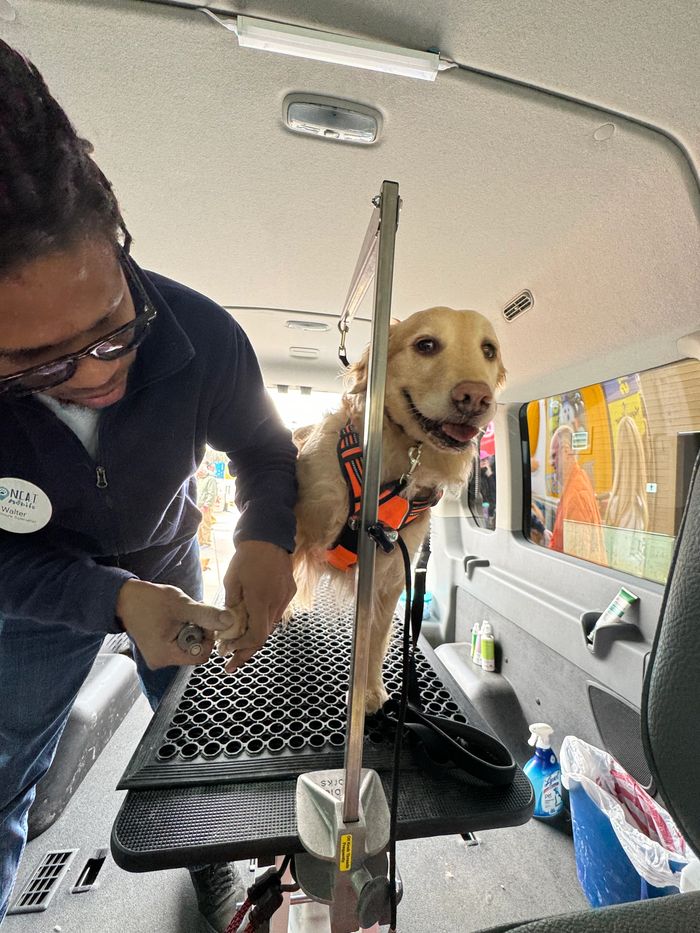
383,536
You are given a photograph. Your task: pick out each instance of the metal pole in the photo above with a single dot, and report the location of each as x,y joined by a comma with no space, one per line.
372,445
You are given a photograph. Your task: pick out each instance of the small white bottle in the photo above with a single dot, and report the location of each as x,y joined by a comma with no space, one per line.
488,647
475,635
477,649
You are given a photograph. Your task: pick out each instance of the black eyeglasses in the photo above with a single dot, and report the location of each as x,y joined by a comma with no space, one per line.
112,346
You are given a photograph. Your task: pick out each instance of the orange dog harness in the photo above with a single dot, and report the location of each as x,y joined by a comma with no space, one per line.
393,510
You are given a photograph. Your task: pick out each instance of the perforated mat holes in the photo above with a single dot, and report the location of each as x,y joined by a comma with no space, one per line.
43,883
288,701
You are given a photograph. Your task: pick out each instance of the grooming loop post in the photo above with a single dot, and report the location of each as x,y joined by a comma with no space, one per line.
362,277
343,815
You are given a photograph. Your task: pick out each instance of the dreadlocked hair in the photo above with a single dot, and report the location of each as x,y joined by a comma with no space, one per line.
52,194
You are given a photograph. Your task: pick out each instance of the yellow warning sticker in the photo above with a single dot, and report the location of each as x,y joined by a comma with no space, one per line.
345,860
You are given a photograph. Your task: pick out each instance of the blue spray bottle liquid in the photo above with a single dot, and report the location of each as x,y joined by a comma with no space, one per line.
544,772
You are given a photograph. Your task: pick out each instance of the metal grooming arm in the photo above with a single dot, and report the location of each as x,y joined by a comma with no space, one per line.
343,816
372,446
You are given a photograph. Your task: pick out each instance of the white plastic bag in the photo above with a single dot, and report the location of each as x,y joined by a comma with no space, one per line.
646,832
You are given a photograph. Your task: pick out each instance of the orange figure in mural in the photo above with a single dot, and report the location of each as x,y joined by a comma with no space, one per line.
577,504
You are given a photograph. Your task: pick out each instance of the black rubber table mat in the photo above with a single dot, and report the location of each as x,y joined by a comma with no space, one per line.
175,827
242,813
283,713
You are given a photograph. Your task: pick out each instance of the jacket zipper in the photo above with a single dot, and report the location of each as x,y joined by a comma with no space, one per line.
101,473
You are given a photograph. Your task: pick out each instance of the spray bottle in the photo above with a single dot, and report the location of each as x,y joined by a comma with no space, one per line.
544,772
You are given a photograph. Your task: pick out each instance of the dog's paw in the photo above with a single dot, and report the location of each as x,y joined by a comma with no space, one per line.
225,638
375,698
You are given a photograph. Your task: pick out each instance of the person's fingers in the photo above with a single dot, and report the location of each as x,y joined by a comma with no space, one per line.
284,600
238,660
281,608
253,637
210,618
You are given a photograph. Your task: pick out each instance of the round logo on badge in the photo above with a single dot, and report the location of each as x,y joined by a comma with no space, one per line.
24,507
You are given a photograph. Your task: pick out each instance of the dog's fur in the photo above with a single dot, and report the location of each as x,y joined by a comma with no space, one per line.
449,363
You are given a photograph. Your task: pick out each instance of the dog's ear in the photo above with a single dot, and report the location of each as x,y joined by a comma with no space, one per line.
355,378
501,381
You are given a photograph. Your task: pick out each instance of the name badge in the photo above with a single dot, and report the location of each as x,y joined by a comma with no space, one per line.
23,506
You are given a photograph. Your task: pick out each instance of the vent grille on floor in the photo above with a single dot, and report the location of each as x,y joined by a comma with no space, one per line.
42,885
519,305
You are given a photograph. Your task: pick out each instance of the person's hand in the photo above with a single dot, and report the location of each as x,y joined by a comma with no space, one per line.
154,614
259,586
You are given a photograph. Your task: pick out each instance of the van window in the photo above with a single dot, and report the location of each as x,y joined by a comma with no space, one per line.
481,492
610,467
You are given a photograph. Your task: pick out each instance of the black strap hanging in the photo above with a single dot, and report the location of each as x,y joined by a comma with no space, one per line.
439,741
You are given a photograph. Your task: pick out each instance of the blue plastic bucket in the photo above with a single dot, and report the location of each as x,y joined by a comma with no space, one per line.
604,871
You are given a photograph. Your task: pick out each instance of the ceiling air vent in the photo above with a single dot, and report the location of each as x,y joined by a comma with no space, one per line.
519,305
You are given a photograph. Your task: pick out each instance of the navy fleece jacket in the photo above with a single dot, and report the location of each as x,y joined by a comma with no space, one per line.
131,512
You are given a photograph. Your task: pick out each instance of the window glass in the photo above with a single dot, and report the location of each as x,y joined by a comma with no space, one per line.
610,467
481,492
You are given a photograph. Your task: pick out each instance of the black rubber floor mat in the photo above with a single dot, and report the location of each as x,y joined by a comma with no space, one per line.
282,714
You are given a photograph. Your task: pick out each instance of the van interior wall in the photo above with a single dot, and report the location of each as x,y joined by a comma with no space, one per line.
534,598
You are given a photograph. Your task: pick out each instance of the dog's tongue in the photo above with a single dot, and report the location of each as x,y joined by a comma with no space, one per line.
459,432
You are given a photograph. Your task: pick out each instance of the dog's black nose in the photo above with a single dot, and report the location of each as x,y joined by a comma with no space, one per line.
472,396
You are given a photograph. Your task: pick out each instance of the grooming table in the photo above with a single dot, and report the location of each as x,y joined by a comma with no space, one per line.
214,777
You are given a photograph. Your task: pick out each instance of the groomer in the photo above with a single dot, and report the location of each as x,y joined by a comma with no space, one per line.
112,381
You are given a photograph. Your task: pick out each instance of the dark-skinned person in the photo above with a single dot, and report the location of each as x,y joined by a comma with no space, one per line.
112,382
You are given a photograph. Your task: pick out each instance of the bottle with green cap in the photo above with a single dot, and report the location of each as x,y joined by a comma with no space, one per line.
488,647
615,610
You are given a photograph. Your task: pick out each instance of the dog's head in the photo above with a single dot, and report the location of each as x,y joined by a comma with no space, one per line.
444,370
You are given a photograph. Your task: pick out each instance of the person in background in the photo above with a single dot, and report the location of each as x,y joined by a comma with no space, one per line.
206,499
627,506
577,503
487,485
112,382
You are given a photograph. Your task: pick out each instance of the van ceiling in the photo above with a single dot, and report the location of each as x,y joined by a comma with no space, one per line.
510,173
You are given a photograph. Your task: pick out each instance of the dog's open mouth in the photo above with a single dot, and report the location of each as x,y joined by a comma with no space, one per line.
455,434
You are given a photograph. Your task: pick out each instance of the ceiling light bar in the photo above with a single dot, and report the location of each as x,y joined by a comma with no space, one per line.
317,45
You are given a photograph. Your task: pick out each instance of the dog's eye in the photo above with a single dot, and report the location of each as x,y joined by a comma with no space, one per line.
489,351
427,345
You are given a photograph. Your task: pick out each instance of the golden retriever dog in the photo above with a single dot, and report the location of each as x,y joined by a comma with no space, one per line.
443,373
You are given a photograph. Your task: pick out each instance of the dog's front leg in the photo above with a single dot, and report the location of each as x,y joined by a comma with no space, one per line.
389,583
